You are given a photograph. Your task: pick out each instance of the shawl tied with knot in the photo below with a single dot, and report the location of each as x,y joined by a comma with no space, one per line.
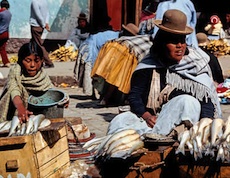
19,83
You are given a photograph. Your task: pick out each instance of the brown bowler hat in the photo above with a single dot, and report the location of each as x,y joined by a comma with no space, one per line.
174,21
132,28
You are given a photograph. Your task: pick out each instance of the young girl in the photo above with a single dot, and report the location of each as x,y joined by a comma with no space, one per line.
25,78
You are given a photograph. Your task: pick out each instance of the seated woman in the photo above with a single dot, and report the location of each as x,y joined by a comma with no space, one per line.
25,78
171,85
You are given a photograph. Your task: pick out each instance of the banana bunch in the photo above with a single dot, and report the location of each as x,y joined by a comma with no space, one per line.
64,54
220,46
13,59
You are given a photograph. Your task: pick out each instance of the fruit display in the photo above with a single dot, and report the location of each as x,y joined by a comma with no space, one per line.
64,54
220,47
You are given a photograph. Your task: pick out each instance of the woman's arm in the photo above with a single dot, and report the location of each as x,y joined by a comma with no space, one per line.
23,113
138,96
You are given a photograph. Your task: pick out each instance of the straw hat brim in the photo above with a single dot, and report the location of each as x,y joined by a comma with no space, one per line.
131,30
188,30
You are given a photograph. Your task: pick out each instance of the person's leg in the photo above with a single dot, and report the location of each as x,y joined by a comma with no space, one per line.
179,109
3,40
36,33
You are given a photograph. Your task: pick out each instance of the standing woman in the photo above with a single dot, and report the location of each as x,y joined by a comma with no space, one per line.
5,18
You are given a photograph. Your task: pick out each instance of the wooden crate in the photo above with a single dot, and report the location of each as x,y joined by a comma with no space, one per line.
204,167
41,155
137,166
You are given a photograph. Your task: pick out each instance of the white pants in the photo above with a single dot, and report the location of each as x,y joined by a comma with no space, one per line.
180,108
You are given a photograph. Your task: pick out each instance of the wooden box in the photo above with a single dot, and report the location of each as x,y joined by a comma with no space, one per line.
151,164
40,155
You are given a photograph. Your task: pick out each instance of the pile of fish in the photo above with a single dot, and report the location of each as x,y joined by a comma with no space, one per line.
207,138
118,145
16,128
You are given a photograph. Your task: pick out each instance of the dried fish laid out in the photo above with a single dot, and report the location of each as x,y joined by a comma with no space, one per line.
16,128
208,137
118,145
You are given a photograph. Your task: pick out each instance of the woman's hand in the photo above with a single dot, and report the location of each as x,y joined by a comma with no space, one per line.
23,113
149,119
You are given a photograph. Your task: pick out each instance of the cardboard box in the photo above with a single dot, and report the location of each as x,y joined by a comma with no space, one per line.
40,155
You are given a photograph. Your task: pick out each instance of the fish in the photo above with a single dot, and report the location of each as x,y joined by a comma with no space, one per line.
14,124
30,125
122,141
193,130
183,138
44,123
126,146
200,131
37,119
93,142
226,129
220,154
206,134
216,130
190,146
23,128
6,126
113,137
124,153
2,124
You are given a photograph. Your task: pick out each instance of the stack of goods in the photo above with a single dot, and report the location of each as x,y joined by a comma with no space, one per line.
63,54
220,47
78,135
223,91
207,138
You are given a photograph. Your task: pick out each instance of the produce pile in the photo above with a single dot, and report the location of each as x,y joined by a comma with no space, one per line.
221,47
207,138
64,54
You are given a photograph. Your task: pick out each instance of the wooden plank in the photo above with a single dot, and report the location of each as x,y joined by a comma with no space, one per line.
50,152
54,165
43,139
4,141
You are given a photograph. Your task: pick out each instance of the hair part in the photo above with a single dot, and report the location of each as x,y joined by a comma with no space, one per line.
27,49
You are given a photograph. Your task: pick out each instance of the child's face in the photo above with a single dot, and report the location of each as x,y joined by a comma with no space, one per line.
32,64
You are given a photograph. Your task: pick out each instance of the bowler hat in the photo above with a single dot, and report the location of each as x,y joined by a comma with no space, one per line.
82,16
151,8
130,27
202,39
174,21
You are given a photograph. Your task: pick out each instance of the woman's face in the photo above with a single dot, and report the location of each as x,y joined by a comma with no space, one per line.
228,18
82,23
176,47
32,64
